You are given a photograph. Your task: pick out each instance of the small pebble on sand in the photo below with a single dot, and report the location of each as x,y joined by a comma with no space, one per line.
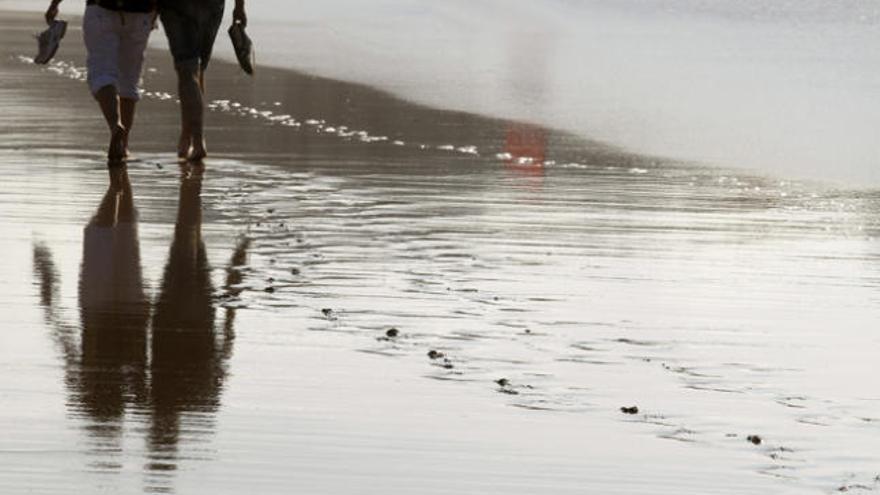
435,354
629,410
392,332
502,382
754,439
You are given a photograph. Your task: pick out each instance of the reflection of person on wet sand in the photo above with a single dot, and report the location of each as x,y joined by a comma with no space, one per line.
113,307
107,370
188,359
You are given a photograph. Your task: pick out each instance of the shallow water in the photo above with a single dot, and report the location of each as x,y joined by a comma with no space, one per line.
255,298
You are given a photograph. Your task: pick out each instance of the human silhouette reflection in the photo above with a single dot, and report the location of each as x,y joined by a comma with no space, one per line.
105,370
188,365
114,310
168,368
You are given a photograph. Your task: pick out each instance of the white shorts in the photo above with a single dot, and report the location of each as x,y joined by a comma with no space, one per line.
115,42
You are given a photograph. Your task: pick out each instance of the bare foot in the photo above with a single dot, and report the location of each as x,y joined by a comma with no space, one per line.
198,150
116,150
126,154
184,147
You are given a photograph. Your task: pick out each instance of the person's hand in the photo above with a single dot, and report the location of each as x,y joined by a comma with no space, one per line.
239,15
51,12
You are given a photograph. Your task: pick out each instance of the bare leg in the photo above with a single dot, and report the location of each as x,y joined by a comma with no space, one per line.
200,150
126,115
108,100
192,111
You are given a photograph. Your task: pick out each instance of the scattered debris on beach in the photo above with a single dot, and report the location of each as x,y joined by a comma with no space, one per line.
856,486
504,387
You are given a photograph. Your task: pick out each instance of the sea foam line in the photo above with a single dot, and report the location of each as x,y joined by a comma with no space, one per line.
319,126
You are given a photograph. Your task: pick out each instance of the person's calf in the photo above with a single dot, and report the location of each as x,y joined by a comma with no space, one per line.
108,100
127,108
191,110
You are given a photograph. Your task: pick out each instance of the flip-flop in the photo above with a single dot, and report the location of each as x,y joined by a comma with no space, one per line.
49,40
244,48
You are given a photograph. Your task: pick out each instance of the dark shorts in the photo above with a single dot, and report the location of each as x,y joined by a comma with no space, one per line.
191,27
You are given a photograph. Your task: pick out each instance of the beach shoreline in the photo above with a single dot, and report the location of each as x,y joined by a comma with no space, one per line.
745,86
322,109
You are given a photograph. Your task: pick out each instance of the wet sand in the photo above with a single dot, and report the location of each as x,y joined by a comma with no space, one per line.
179,330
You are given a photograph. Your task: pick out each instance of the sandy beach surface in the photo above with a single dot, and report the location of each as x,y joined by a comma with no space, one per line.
228,328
